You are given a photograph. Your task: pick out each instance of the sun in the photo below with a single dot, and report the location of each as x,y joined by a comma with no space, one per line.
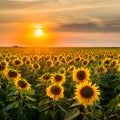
39,32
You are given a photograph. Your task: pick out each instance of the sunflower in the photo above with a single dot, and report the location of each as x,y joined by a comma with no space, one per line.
57,63
22,84
77,59
35,58
17,62
62,70
4,63
36,66
81,75
45,77
28,62
3,67
101,69
63,60
71,62
58,78
114,64
71,68
24,59
55,91
85,62
7,59
86,93
107,61
12,74
49,63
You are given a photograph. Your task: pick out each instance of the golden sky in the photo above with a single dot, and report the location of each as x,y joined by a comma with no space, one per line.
83,23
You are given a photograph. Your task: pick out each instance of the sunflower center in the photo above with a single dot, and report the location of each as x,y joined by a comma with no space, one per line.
36,66
49,63
2,67
113,63
22,84
7,59
85,63
56,90
3,63
87,92
58,78
46,77
107,62
12,73
81,75
17,62
28,62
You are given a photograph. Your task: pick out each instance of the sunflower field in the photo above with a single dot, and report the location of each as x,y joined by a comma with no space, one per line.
59,83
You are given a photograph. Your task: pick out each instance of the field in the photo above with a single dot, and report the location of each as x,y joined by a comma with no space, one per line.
59,83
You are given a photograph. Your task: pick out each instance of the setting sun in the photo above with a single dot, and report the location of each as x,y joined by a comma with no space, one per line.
39,32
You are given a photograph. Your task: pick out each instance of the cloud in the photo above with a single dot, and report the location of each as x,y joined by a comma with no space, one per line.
21,4
95,25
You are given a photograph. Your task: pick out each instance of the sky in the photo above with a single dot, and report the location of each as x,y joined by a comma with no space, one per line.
69,23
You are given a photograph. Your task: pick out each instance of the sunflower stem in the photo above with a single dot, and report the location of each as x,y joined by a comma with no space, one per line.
21,102
85,111
54,104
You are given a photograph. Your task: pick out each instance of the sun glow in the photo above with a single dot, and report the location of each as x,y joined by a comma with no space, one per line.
36,35
39,32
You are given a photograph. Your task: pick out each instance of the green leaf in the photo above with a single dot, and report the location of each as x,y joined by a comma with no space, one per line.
30,92
22,116
115,101
72,114
44,105
32,106
44,108
12,93
10,106
30,98
74,104
45,116
62,109
95,116
85,118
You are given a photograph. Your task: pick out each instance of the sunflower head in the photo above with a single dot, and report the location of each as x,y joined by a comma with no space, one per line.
24,59
49,63
17,62
55,58
45,77
71,68
36,66
114,64
58,78
12,74
71,62
86,93
77,59
7,59
107,61
85,62
35,58
101,69
28,62
55,91
81,75
63,60
57,63
2,67
62,70
22,84
4,63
